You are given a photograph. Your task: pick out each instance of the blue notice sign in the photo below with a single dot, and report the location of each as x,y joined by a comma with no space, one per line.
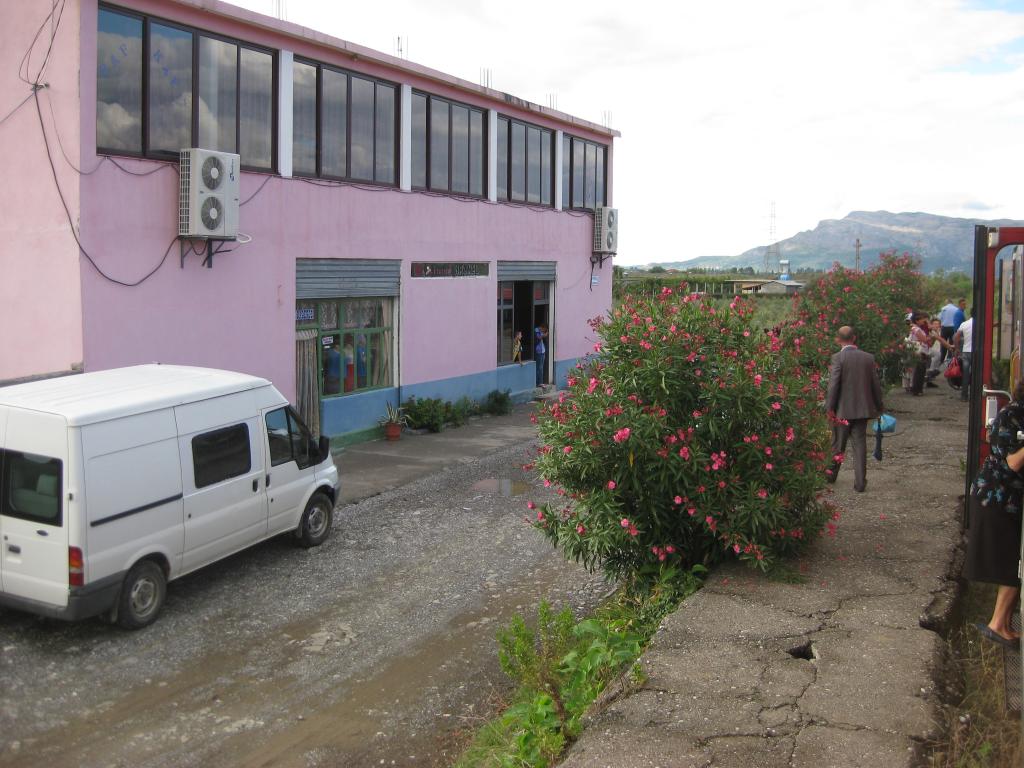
305,314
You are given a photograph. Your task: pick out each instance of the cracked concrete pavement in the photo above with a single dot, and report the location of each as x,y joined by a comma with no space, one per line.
844,666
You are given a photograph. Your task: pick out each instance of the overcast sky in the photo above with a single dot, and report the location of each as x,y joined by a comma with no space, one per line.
725,107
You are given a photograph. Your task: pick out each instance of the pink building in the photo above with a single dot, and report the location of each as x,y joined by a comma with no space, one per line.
399,226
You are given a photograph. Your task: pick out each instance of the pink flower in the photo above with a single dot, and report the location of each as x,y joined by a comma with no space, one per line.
597,347
736,548
611,485
633,531
790,435
762,493
625,522
547,483
540,516
776,406
685,453
530,505
767,451
622,435
567,450
678,499
758,379
691,511
580,529
670,549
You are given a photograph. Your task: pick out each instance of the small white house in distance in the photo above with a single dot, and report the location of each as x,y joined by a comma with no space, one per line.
114,483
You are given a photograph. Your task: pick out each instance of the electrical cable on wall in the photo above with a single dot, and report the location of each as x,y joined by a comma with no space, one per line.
24,72
71,224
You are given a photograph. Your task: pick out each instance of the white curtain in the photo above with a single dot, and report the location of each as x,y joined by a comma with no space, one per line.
307,379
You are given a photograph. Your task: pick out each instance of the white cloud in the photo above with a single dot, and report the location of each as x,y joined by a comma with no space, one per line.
724,107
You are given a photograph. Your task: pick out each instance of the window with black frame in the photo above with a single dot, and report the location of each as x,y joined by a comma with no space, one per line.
448,146
525,162
584,166
192,89
356,136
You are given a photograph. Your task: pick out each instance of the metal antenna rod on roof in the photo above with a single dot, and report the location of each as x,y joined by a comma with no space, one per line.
279,9
606,118
485,77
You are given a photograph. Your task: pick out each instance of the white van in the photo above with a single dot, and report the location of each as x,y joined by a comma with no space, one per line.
114,483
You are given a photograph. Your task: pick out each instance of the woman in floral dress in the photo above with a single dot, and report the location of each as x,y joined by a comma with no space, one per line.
994,533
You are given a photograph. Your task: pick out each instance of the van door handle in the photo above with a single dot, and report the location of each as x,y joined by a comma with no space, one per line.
268,481
14,548
255,485
43,533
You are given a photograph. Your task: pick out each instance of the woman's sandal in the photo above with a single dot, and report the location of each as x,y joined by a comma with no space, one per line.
995,637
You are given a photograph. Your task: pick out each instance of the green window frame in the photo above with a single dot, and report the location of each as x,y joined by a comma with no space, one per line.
361,332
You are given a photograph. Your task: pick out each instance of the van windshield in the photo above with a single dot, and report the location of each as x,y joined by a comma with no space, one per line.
30,487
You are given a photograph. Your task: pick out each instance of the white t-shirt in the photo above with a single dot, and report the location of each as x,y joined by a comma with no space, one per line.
966,331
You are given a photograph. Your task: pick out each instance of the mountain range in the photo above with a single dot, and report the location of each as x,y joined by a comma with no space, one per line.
942,242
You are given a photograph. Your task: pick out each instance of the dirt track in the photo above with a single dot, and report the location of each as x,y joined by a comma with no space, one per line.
377,648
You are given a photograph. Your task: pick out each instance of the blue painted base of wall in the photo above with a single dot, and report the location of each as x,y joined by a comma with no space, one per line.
355,413
363,411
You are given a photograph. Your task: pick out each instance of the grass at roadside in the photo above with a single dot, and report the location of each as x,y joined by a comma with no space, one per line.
979,732
561,666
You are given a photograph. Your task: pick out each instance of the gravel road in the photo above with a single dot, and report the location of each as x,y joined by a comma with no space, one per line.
376,648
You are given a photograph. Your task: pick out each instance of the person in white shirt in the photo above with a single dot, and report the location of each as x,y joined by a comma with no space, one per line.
965,335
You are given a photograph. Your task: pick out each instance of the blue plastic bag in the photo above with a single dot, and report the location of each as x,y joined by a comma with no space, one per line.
886,421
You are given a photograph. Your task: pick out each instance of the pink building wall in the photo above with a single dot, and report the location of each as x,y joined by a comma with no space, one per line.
240,314
40,297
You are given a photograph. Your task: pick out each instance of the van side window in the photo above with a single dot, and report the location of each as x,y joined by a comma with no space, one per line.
221,454
288,437
31,487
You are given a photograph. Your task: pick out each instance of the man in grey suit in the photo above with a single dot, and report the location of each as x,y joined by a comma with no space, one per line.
854,397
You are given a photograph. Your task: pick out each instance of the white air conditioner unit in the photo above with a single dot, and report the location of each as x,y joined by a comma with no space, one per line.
606,230
208,199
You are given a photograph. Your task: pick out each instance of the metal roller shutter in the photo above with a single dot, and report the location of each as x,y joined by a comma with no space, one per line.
346,278
526,270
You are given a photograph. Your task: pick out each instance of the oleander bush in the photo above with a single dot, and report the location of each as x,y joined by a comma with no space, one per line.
688,438
875,302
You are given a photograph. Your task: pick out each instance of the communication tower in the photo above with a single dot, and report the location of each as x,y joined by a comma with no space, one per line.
771,253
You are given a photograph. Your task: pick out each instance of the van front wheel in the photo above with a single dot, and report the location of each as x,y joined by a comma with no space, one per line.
316,521
142,595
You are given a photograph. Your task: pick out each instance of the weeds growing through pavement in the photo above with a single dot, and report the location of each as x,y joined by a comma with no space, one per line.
979,731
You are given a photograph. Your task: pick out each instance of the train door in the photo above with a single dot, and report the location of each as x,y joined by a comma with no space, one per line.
997,310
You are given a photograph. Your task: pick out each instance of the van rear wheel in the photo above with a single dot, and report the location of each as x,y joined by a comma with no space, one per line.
142,595
316,521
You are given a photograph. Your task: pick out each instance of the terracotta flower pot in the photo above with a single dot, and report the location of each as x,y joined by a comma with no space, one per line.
392,431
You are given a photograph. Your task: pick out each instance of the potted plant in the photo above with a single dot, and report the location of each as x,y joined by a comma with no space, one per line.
393,422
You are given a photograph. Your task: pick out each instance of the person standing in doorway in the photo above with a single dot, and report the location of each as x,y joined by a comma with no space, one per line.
965,336
854,397
540,351
994,507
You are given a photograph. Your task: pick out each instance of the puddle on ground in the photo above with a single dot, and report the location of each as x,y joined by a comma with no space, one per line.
502,486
